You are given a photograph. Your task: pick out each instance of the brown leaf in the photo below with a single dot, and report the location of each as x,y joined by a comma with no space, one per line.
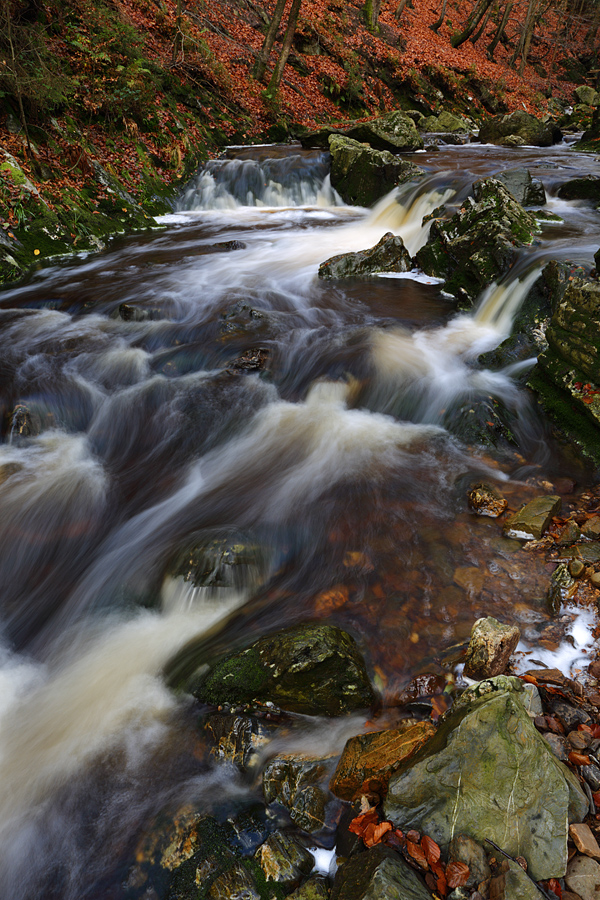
554,725
360,823
578,759
430,849
413,836
457,874
417,854
554,886
442,885
377,833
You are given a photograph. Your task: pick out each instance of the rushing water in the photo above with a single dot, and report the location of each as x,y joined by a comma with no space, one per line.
136,432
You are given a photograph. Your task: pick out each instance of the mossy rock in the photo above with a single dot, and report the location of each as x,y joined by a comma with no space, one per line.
395,131
521,125
311,669
585,188
388,255
361,175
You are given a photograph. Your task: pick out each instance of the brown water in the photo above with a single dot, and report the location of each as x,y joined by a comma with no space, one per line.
343,462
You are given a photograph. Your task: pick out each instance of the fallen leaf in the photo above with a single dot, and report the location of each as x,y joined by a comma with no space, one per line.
430,849
457,874
415,851
578,759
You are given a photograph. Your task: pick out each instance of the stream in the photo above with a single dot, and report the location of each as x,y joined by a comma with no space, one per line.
143,424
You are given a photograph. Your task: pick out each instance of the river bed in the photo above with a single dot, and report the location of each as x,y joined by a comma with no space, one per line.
146,424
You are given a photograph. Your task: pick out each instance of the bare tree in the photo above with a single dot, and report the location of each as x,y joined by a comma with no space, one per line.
285,49
500,30
371,11
260,65
439,22
178,42
475,37
472,22
524,42
401,7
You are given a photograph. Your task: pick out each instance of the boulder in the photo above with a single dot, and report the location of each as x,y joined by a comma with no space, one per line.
533,519
295,782
361,175
567,375
584,188
445,121
311,669
388,255
374,757
379,874
490,648
522,125
526,190
489,773
479,243
284,860
395,131
588,95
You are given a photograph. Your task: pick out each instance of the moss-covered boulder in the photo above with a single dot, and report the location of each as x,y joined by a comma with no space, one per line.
489,773
444,122
379,874
585,188
395,131
520,124
567,375
361,175
479,243
311,669
388,255
586,94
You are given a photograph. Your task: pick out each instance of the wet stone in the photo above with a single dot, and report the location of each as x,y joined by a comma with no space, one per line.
583,877
464,849
583,838
576,568
579,740
591,774
533,519
559,745
518,886
388,255
237,739
378,874
569,534
295,782
314,889
486,500
490,648
372,758
235,884
284,860
591,529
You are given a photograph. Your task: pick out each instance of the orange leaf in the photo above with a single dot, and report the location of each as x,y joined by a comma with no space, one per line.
417,854
430,849
442,885
579,759
555,887
359,824
377,833
457,874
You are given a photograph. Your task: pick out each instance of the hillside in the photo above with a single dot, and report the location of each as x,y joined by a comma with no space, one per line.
106,105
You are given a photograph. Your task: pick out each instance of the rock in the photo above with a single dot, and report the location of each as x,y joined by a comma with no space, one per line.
485,770
223,562
526,190
479,243
584,188
394,131
361,174
445,121
486,500
284,860
569,534
576,568
236,883
379,874
533,519
237,739
558,744
310,669
567,374
591,528
588,95
583,838
228,246
518,886
583,877
319,139
294,781
373,758
521,125
313,889
388,255
463,848
490,648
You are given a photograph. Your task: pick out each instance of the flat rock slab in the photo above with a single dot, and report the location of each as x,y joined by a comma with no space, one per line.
583,877
584,840
374,757
489,773
533,519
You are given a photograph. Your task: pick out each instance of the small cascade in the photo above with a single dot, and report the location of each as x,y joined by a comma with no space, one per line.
500,303
406,211
300,179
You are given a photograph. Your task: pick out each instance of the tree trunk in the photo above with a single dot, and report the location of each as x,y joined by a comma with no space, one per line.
400,8
475,37
371,13
285,50
178,43
15,74
526,34
260,65
439,22
500,30
472,23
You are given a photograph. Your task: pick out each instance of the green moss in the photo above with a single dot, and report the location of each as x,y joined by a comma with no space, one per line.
237,677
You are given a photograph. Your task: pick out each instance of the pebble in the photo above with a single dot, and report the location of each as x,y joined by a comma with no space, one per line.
579,740
584,840
595,579
576,568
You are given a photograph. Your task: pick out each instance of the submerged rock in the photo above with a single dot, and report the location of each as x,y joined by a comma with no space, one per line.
379,874
490,648
361,174
533,519
486,500
388,255
489,773
479,243
526,190
310,669
584,188
521,125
